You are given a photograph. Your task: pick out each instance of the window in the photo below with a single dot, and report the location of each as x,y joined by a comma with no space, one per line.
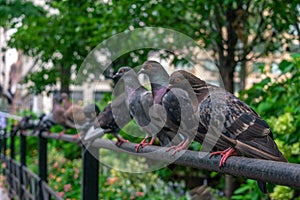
98,96
77,96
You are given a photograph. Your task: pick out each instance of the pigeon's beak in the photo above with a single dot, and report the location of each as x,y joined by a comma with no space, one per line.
170,86
142,71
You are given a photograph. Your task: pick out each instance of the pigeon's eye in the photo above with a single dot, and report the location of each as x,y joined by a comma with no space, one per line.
177,80
122,71
149,66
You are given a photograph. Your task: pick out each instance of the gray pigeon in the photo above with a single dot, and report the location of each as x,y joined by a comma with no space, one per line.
107,120
139,102
180,121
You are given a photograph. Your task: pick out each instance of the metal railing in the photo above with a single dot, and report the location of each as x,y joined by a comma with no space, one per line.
26,185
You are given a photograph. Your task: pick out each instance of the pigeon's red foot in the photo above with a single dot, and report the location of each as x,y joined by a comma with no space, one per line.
224,154
61,134
143,143
76,136
121,141
181,146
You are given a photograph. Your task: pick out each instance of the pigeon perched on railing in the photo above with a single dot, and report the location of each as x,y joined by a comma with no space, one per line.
91,112
24,124
74,116
172,104
53,118
99,123
107,119
242,128
138,101
229,121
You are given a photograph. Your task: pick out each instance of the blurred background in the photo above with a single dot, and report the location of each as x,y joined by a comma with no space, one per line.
254,44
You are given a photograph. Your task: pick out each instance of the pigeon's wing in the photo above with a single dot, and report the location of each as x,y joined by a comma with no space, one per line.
172,107
138,107
146,102
253,134
180,113
254,138
59,116
106,119
234,123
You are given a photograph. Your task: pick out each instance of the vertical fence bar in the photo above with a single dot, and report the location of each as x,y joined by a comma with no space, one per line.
22,160
1,143
23,149
12,144
90,174
4,149
42,162
12,157
1,148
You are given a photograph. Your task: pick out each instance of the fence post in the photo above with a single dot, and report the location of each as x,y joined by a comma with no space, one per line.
22,160
90,173
4,150
12,157
12,145
42,162
2,157
1,143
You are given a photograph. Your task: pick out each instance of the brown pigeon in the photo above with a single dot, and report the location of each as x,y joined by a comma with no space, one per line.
74,116
228,120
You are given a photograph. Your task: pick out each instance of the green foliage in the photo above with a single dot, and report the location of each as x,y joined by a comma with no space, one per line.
121,185
248,191
282,193
12,9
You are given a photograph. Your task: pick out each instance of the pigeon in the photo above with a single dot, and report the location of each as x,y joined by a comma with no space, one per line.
230,120
74,116
138,101
107,119
53,118
173,103
24,124
91,112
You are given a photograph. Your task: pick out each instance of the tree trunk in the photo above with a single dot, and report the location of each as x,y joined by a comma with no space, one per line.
229,183
65,79
227,73
14,78
243,74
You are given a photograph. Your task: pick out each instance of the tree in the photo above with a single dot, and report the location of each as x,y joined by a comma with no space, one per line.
250,25
59,38
12,12
236,31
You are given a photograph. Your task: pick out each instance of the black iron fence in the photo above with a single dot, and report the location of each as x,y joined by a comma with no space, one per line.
26,185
